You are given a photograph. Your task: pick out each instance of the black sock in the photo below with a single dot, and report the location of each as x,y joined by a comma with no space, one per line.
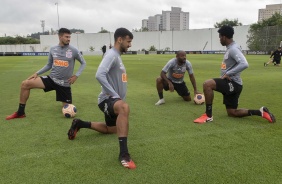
209,110
254,112
161,96
21,109
123,145
84,124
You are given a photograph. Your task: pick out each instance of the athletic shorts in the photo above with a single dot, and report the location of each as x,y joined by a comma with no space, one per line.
180,88
231,92
107,107
277,61
63,94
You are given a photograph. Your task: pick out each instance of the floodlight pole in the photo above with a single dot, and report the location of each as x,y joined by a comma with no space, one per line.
58,14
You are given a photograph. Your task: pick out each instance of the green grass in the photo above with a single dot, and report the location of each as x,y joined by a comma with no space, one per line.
164,142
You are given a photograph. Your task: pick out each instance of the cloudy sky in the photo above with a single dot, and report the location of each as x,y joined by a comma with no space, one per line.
22,17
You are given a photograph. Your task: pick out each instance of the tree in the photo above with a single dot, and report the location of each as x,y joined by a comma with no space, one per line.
152,48
232,23
103,30
142,29
266,34
17,40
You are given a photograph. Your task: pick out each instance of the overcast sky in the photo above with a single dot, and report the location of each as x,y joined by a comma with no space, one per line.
22,17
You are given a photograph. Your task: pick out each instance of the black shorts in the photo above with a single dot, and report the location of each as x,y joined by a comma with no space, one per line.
276,60
107,107
231,92
63,94
180,88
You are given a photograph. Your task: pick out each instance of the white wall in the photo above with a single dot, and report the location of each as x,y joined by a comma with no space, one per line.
188,40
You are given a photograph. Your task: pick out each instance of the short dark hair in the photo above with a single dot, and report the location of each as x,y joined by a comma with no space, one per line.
64,30
122,32
227,31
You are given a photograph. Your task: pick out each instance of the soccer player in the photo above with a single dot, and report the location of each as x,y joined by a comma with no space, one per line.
112,76
230,84
104,49
61,62
276,59
172,78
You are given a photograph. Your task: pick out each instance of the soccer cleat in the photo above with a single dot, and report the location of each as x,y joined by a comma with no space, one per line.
15,115
126,161
267,115
73,129
264,64
160,102
203,119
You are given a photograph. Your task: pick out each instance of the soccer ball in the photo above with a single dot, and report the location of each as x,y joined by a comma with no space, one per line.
69,110
199,99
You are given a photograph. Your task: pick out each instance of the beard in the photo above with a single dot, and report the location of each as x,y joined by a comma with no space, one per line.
123,49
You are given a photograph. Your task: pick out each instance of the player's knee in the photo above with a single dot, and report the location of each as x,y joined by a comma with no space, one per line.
25,84
207,84
159,80
187,98
124,108
232,113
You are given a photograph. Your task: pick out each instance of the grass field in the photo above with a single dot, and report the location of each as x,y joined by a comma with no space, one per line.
165,144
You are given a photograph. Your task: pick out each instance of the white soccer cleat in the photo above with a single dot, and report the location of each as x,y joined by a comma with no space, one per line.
160,102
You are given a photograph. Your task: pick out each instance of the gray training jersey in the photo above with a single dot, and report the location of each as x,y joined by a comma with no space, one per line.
176,72
61,62
234,62
111,74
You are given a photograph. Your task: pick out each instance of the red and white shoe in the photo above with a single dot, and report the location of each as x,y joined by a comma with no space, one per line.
267,115
203,119
126,161
15,115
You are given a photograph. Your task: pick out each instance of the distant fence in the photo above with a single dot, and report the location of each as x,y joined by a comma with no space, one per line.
137,52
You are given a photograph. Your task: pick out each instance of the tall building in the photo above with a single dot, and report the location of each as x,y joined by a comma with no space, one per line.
269,11
169,20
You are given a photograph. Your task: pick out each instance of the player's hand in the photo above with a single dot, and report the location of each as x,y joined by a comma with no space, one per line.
34,76
226,77
196,92
171,87
72,79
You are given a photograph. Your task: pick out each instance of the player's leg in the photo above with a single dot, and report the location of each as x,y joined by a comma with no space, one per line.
160,85
183,91
63,94
278,62
107,107
263,112
26,86
122,110
231,102
209,86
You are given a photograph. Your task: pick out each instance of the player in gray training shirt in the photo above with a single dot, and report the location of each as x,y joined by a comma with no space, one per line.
172,78
230,84
111,74
61,63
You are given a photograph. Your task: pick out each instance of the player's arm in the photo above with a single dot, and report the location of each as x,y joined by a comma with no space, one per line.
164,77
241,61
192,77
272,54
46,68
193,81
101,76
82,61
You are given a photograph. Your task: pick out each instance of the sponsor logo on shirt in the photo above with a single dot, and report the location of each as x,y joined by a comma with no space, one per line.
124,77
69,53
177,75
61,63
